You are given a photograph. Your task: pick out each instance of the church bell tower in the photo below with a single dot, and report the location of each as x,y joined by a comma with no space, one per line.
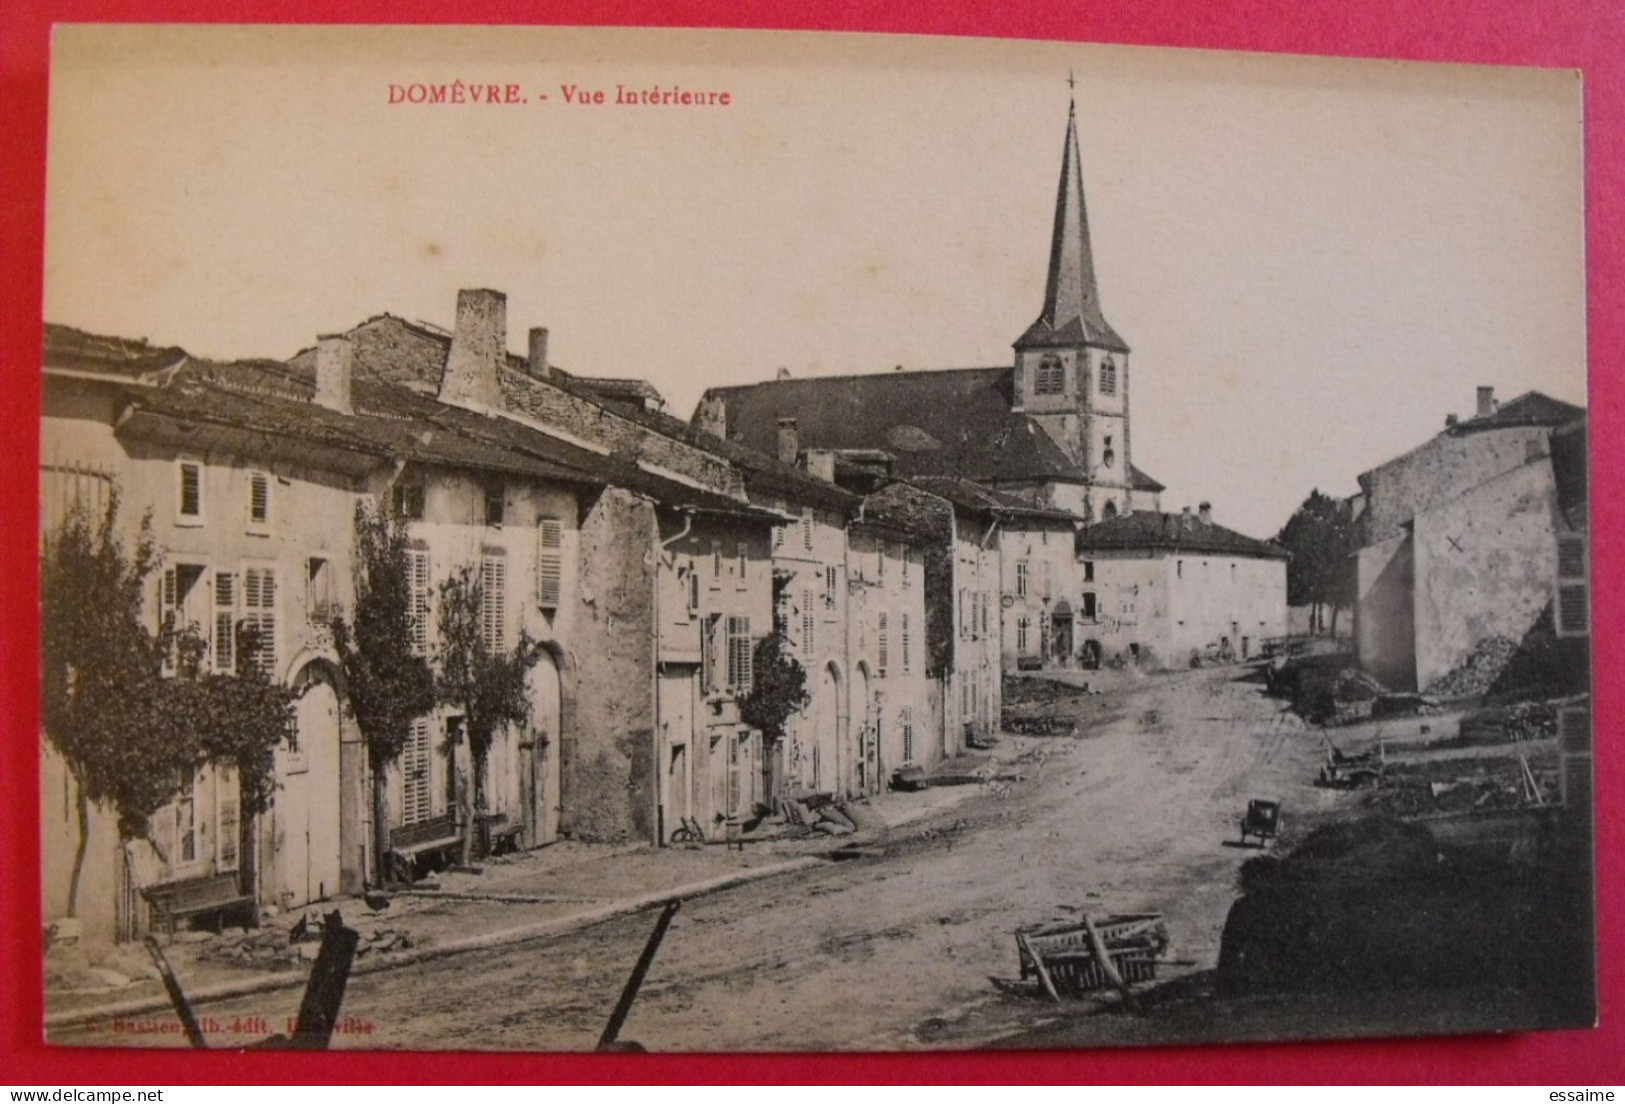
1071,374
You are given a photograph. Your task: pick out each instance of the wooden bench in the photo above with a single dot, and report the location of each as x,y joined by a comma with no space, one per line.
216,894
426,837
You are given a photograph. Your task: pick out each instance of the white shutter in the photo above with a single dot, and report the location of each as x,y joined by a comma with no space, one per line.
259,499
415,802
259,614
549,563
421,598
225,622
493,603
739,658
907,658
882,645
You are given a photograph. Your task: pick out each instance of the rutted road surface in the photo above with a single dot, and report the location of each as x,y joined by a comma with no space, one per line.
1137,812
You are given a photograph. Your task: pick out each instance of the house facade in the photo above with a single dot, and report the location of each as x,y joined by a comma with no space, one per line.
1170,590
1456,541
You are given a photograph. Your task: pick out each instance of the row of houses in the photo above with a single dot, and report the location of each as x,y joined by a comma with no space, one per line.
910,536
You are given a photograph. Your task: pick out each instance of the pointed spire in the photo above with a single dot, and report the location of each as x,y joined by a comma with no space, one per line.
1071,297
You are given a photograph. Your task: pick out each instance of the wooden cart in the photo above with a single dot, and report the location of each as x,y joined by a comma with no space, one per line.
1263,819
1062,955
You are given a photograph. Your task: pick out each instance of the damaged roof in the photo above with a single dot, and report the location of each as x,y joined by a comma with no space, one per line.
1529,409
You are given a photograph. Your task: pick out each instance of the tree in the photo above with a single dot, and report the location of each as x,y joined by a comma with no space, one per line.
778,687
487,684
386,678
125,728
1320,538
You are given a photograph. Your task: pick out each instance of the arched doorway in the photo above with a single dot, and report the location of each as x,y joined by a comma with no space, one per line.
306,812
863,738
537,770
832,731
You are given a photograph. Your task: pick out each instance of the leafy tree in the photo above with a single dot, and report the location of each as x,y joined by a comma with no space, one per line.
125,729
388,683
778,687
1320,574
486,684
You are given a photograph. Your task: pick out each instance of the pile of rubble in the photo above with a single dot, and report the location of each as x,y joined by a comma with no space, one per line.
1478,672
276,948
1461,786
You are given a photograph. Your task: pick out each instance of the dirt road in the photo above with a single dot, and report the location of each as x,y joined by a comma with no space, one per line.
1138,811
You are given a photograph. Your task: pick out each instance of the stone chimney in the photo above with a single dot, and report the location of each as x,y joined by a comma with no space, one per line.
789,441
1450,421
335,365
782,374
1185,519
1205,513
1486,401
479,344
821,464
711,416
536,363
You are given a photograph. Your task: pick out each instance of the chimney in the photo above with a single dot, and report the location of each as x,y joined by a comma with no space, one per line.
1486,401
789,441
335,364
536,363
821,464
783,374
1185,519
479,344
1205,512
711,416
1450,421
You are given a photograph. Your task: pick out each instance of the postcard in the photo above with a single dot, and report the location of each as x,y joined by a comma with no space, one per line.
719,541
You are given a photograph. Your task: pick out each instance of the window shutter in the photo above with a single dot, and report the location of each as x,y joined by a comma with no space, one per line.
226,820
1573,599
415,801
550,563
806,529
259,498
831,587
907,664
259,615
808,640
225,622
191,503
739,658
882,645
493,603
421,597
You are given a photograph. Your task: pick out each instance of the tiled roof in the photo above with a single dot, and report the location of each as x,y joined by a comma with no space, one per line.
1529,409
955,422
1174,532
974,496
65,349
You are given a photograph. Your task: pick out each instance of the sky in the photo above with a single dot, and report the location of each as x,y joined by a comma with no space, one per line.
1313,260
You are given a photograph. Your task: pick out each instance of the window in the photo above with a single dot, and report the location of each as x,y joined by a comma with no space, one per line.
1023,629
494,603
1021,578
1088,571
806,529
832,585
181,598
225,622
882,646
739,659
712,667
1047,574
986,601
693,590
549,563
495,503
408,501
259,502
1573,603
415,801
259,616
1110,511
226,819
1108,376
186,849
809,639
905,721
907,646
908,556
1050,378
880,561
1089,613
422,598
964,614
716,565
741,556
319,608
1108,457
1179,569
189,504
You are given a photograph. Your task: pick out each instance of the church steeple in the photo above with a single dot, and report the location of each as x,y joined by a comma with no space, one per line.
1071,314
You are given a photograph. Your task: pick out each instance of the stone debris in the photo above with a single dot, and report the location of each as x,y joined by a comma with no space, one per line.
1478,672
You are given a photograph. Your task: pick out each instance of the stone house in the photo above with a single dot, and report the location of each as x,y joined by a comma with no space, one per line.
1456,539
1164,590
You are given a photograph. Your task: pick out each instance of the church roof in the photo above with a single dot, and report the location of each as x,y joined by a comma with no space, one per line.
955,422
1529,409
1072,313
1149,529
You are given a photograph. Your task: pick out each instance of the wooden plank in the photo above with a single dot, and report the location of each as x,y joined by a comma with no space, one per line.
607,1041
324,990
1106,964
183,1009
1038,964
